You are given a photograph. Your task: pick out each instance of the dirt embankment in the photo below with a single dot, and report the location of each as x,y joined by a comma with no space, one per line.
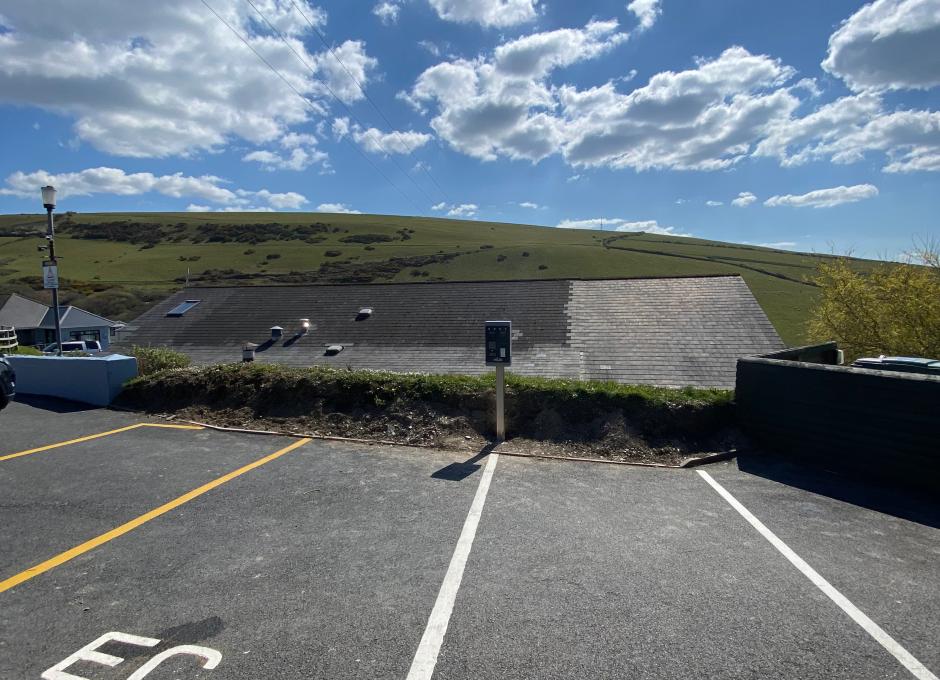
544,417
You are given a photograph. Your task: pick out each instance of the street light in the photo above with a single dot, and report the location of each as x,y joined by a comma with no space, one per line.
48,202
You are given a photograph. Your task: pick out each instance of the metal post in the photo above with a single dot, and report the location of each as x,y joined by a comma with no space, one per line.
50,235
500,403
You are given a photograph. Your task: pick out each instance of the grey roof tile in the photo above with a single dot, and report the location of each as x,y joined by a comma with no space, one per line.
680,331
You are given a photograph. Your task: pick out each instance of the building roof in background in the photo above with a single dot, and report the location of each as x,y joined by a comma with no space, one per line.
21,312
24,314
75,317
669,331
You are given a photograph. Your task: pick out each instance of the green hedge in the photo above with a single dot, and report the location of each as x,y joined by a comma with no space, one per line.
282,391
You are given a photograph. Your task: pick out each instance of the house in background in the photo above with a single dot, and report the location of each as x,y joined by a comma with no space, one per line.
35,322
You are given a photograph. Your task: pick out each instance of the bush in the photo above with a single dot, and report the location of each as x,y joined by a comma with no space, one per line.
27,351
273,256
152,360
893,309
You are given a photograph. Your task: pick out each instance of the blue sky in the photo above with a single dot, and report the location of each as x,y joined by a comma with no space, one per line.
804,124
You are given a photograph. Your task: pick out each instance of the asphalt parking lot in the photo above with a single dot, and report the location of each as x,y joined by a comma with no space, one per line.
169,552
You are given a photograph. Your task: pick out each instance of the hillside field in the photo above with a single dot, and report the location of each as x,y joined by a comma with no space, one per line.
119,264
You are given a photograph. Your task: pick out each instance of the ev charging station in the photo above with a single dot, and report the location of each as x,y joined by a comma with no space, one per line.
498,339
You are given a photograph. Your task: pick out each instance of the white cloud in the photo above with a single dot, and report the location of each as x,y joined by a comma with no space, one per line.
825,198
282,201
430,47
161,79
510,104
337,208
462,210
376,141
780,245
847,129
714,204
346,68
192,207
888,44
302,154
744,199
504,106
116,182
706,118
488,13
646,11
619,224
387,12
530,205
401,142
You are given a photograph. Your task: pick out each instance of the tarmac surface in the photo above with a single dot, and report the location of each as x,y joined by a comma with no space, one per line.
208,554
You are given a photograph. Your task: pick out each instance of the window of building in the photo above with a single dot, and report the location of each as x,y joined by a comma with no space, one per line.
182,308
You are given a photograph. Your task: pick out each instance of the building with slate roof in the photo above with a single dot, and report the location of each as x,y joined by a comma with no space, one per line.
656,331
35,322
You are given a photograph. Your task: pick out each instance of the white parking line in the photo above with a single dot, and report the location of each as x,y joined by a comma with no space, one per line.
905,657
422,667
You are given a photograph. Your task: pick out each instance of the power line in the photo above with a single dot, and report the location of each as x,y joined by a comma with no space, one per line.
363,91
337,98
308,102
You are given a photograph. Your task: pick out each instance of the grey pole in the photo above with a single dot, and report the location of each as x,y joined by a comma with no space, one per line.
500,403
50,235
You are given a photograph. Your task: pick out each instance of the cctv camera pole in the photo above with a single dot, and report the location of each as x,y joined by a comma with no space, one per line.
48,199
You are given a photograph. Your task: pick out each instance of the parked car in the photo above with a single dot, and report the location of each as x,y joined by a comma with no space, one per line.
73,346
7,383
900,364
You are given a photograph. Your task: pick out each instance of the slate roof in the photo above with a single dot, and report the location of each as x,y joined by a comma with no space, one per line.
21,312
26,314
667,331
75,317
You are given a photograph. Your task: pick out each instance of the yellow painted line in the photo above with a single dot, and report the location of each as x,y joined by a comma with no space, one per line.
64,557
97,436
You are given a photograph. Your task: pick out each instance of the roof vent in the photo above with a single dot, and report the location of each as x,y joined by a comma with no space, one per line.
364,313
333,350
304,326
276,332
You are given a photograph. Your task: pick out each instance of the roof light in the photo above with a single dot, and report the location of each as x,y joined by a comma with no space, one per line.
183,307
304,325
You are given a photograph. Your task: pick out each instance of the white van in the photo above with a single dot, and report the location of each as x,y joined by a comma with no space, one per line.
73,346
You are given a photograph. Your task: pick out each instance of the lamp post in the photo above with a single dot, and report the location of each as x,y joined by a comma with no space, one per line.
48,201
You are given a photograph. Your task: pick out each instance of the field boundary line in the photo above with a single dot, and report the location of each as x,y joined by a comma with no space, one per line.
90,437
917,669
127,527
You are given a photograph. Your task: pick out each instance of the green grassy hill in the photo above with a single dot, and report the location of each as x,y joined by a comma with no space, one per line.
119,264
